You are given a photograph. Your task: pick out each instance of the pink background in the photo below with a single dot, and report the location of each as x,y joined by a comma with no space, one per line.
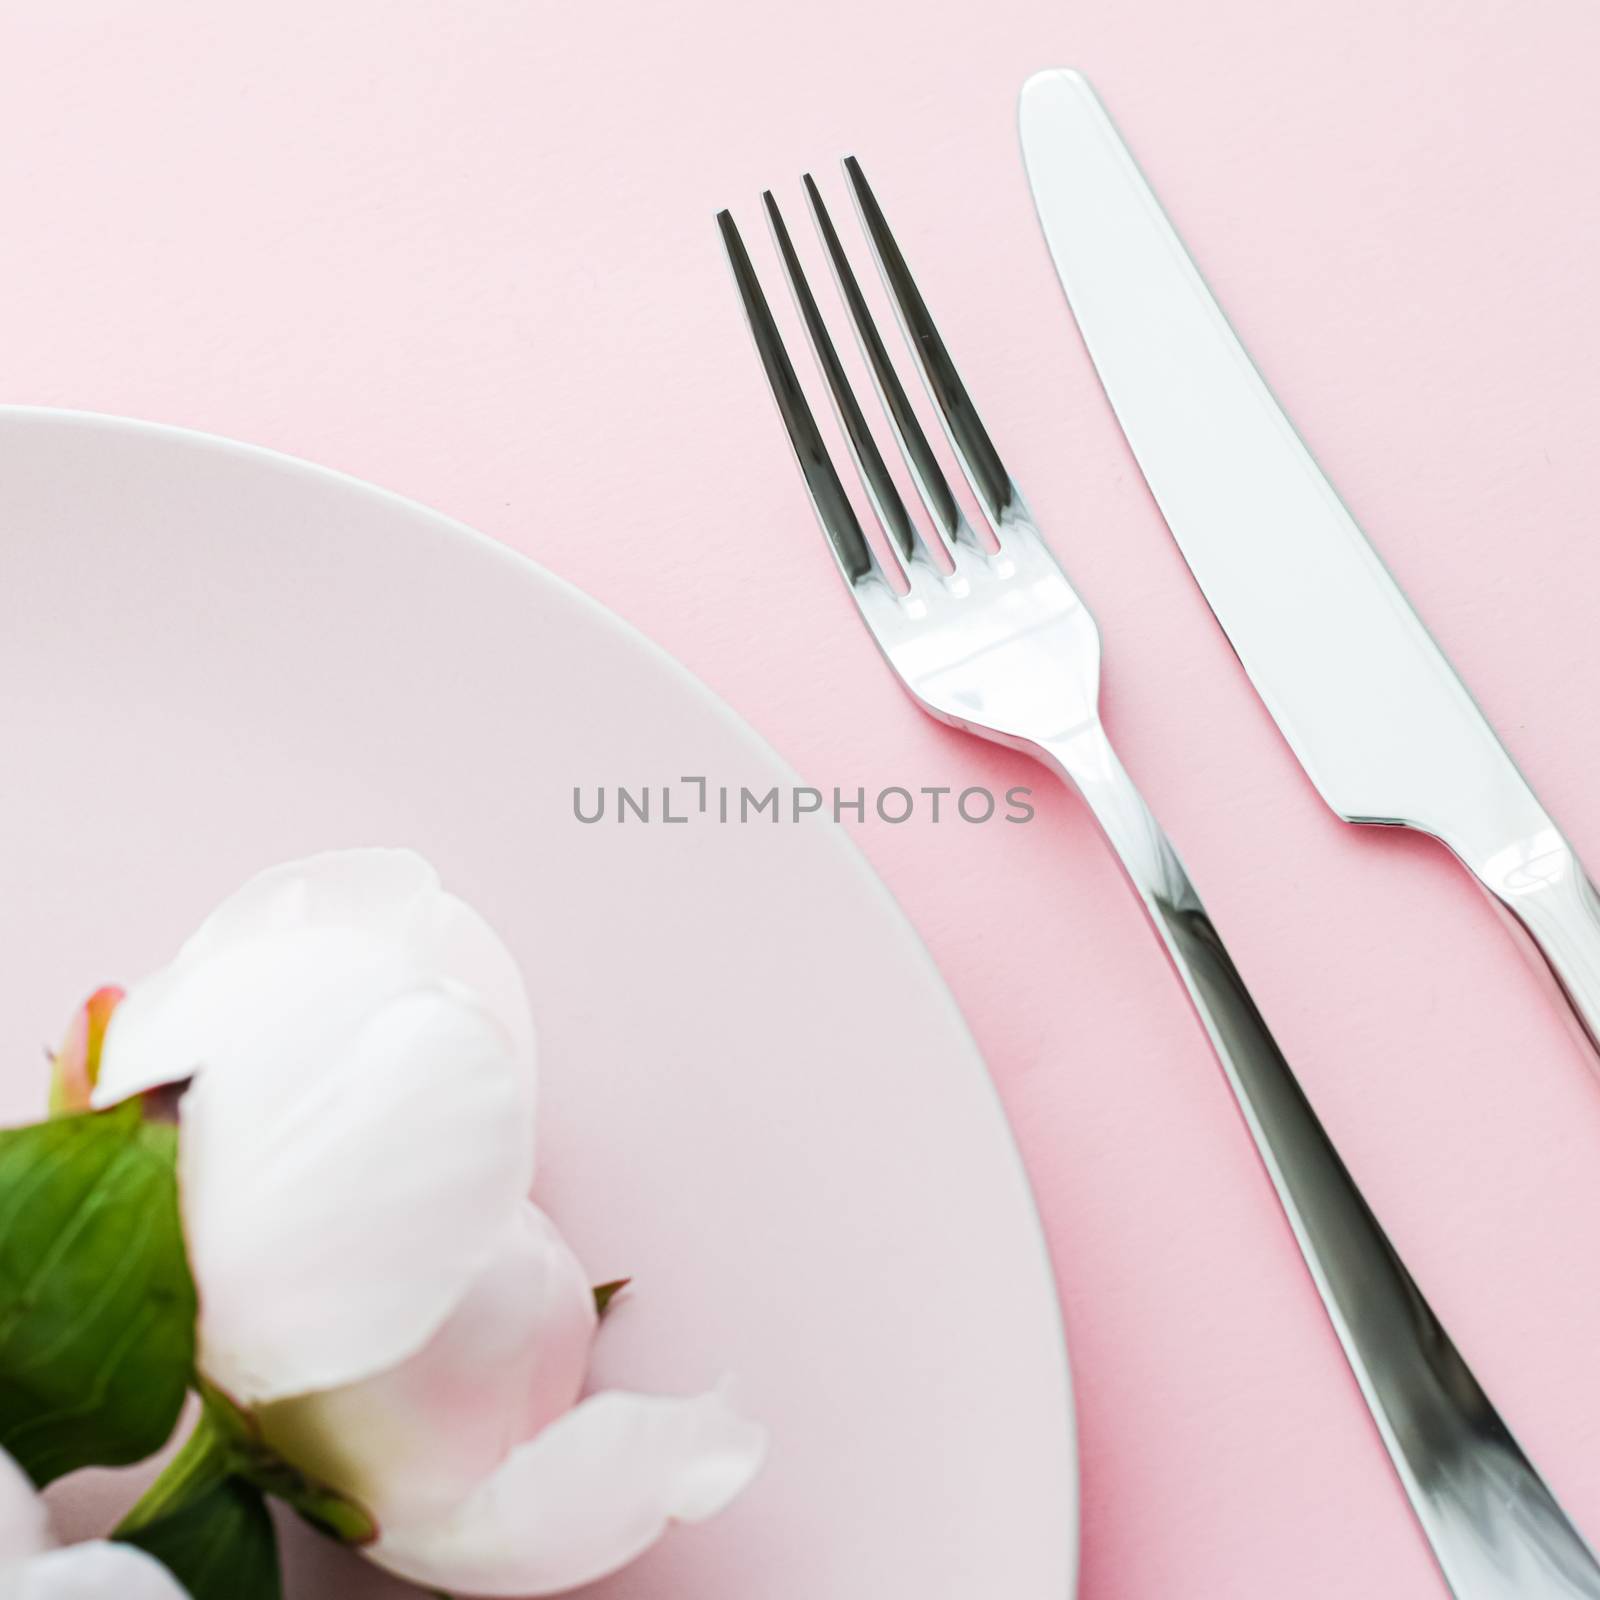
467,252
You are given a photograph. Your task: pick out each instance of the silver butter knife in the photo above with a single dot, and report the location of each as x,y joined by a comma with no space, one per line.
1369,704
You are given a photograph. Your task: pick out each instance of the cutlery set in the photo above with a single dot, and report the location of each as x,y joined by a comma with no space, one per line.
988,634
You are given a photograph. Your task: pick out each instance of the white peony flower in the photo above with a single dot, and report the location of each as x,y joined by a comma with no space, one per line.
33,1567
355,1155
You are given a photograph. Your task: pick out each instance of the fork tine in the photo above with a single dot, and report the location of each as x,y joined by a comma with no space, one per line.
834,511
931,481
996,491
881,490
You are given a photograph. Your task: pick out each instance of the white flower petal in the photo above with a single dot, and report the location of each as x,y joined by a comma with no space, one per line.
585,1497
337,1213
413,1442
96,1571
24,1521
226,1012
310,936
361,1121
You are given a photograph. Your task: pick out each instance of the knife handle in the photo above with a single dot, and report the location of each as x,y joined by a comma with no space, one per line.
1542,884
1495,1528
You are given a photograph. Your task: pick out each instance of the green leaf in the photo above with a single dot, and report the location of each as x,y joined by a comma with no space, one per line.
221,1546
605,1293
97,1308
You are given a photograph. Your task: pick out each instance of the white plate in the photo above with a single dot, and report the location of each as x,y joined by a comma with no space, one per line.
759,1100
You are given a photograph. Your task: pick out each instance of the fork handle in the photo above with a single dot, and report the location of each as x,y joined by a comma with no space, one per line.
1495,1528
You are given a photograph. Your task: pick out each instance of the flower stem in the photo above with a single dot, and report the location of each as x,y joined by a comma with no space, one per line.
201,1464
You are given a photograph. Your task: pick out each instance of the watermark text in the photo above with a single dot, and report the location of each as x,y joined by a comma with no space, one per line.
696,799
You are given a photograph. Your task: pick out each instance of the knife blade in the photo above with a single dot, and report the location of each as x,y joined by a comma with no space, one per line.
1366,699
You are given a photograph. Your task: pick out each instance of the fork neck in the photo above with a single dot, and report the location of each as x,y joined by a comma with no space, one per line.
1086,761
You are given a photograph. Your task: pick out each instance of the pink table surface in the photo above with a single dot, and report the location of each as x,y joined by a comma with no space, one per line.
467,252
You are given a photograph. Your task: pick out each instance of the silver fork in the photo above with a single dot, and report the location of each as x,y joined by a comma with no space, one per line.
998,642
